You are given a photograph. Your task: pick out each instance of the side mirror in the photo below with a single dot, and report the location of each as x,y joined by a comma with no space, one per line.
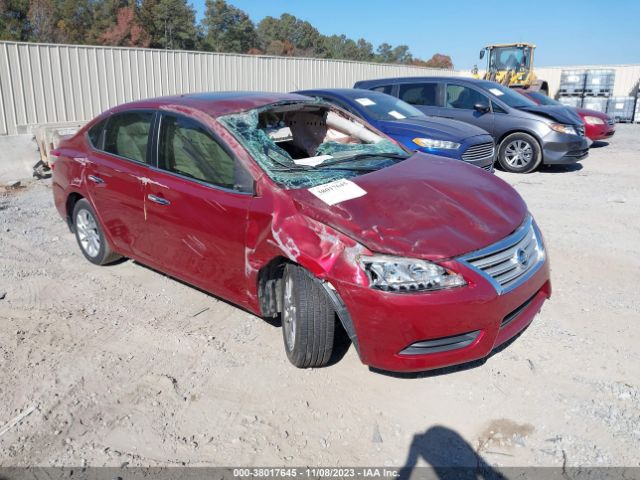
481,54
481,107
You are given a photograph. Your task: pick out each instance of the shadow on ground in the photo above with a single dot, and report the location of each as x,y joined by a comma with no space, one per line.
449,456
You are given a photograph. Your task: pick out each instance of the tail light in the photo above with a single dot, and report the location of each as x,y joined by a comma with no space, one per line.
54,155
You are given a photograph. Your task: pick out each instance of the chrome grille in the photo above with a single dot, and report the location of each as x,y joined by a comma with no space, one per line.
610,121
511,261
580,130
478,152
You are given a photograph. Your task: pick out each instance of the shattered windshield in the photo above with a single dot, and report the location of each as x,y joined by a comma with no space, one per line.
305,144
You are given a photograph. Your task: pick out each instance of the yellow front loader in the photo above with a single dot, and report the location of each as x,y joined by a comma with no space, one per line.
511,65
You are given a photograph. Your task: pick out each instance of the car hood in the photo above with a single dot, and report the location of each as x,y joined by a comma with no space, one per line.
583,112
424,207
558,113
431,127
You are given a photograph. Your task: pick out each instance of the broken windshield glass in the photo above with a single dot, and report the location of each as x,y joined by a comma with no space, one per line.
305,144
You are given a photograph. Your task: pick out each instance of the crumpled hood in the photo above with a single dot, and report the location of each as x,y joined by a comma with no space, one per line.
440,128
559,113
425,207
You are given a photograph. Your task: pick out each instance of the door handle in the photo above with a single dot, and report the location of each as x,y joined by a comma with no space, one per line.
96,180
158,200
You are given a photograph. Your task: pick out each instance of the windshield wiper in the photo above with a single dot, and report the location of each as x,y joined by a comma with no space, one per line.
360,156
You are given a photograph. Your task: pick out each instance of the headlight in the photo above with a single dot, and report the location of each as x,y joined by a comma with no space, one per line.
593,120
562,128
433,143
395,274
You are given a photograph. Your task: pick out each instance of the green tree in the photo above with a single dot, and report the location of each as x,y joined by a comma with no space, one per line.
14,22
75,19
227,28
304,37
171,24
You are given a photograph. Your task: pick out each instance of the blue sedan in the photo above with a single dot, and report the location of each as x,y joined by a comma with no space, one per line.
412,128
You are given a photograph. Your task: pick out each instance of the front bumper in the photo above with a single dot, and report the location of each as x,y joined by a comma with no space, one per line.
387,324
560,148
599,132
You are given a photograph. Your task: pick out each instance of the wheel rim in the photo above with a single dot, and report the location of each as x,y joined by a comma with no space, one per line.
518,153
88,235
289,314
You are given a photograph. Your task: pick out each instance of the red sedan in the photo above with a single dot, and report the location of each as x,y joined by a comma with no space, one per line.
293,208
598,125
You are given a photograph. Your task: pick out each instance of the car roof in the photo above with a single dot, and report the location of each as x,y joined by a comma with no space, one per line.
341,92
396,80
216,104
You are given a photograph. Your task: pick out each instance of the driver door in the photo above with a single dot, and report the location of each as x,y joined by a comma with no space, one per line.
460,102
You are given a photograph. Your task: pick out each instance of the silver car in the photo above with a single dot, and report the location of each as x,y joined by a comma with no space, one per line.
527,134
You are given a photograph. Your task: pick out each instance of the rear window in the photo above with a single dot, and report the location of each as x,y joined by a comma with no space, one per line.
127,135
383,89
95,134
419,94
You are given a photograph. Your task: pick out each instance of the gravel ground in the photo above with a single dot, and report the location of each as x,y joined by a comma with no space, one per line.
121,364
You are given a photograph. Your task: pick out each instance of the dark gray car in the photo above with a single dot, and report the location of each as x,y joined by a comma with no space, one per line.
526,134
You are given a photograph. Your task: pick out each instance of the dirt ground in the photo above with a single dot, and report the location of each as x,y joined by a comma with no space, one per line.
122,364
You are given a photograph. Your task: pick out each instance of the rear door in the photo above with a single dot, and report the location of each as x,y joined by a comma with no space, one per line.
119,158
196,205
425,96
459,104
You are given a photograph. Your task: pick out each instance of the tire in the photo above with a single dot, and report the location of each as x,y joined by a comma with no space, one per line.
519,153
308,319
90,236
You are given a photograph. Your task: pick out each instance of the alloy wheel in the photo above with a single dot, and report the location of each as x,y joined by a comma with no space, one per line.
289,314
88,235
518,153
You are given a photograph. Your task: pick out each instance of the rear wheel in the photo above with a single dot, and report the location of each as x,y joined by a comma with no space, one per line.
90,236
308,319
519,153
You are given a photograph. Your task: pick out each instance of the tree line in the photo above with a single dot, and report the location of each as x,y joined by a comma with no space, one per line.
171,24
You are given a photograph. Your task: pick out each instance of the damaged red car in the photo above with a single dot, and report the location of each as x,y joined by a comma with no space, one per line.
293,208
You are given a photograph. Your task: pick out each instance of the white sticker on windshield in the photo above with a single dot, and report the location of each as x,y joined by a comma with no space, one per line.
595,81
365,102
496,92
312,161
337,191
619,106
397,115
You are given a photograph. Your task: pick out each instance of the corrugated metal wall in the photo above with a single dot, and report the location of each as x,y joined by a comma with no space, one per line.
42,83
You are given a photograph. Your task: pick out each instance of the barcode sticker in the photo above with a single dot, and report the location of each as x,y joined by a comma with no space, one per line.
337,191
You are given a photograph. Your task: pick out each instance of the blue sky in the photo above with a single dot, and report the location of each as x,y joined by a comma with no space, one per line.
566,32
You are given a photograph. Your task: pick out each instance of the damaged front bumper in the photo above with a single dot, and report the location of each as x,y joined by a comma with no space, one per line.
413,332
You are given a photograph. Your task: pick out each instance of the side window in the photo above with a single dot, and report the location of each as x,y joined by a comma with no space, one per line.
383,89
188,149
463,97
95,134
127,135
419,94
497,108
